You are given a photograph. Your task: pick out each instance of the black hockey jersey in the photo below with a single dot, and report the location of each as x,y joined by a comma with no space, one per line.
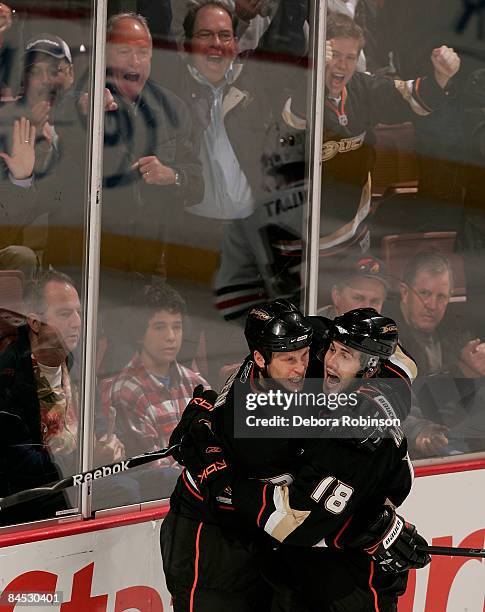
274,473
261,255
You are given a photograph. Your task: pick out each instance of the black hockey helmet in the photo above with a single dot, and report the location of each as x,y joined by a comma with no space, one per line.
367,331
277,326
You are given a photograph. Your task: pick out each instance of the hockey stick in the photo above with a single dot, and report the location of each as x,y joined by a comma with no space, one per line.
89,475
452,551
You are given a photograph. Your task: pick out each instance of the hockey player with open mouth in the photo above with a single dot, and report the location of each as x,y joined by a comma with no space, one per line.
328,502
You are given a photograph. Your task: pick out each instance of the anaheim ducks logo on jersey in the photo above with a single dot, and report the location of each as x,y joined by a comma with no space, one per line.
332,147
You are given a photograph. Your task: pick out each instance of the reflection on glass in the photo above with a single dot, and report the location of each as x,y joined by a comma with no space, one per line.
402,243
39,396
43,203
147,397
204,189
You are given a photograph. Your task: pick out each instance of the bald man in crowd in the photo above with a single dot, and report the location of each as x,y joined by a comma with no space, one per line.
150,162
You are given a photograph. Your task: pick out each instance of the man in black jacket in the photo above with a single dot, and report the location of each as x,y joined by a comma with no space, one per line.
150,162
39,414
39,419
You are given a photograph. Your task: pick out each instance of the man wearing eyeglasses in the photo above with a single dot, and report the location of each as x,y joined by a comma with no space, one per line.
230,115
451,363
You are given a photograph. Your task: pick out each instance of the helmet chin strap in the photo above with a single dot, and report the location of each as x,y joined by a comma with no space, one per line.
269,382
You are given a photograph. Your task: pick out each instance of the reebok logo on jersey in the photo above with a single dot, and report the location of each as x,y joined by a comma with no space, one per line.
213,449
203,403
217,466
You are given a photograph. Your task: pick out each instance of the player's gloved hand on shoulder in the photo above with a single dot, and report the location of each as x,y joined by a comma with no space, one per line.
205,460
392,542
373,404
200,407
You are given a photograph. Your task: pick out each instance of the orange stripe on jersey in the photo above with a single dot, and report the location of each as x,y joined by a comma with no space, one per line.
400,374
192,490
368,389
374,593
262,507
417,93
336,539
196,567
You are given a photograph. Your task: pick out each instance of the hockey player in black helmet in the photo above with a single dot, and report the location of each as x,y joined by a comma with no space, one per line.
381,357
278,337
274,487
367,331
357,342
343,547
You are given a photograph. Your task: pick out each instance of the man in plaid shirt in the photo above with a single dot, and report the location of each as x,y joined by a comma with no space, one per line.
151,392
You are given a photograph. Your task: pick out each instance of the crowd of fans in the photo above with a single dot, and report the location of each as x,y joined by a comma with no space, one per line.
205,151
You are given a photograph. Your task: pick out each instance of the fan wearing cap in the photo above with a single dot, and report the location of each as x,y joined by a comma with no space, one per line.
48,76
48,71
364,284
33,149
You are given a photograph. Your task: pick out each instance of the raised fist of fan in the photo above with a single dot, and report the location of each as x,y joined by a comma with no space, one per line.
200,407
392,542
446,64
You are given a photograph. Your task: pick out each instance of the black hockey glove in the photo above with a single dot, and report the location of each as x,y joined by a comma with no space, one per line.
205,460
374,403
391,542
200,407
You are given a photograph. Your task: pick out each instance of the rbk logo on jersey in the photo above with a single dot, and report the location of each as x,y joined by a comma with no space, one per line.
217,466
213,449
200,401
